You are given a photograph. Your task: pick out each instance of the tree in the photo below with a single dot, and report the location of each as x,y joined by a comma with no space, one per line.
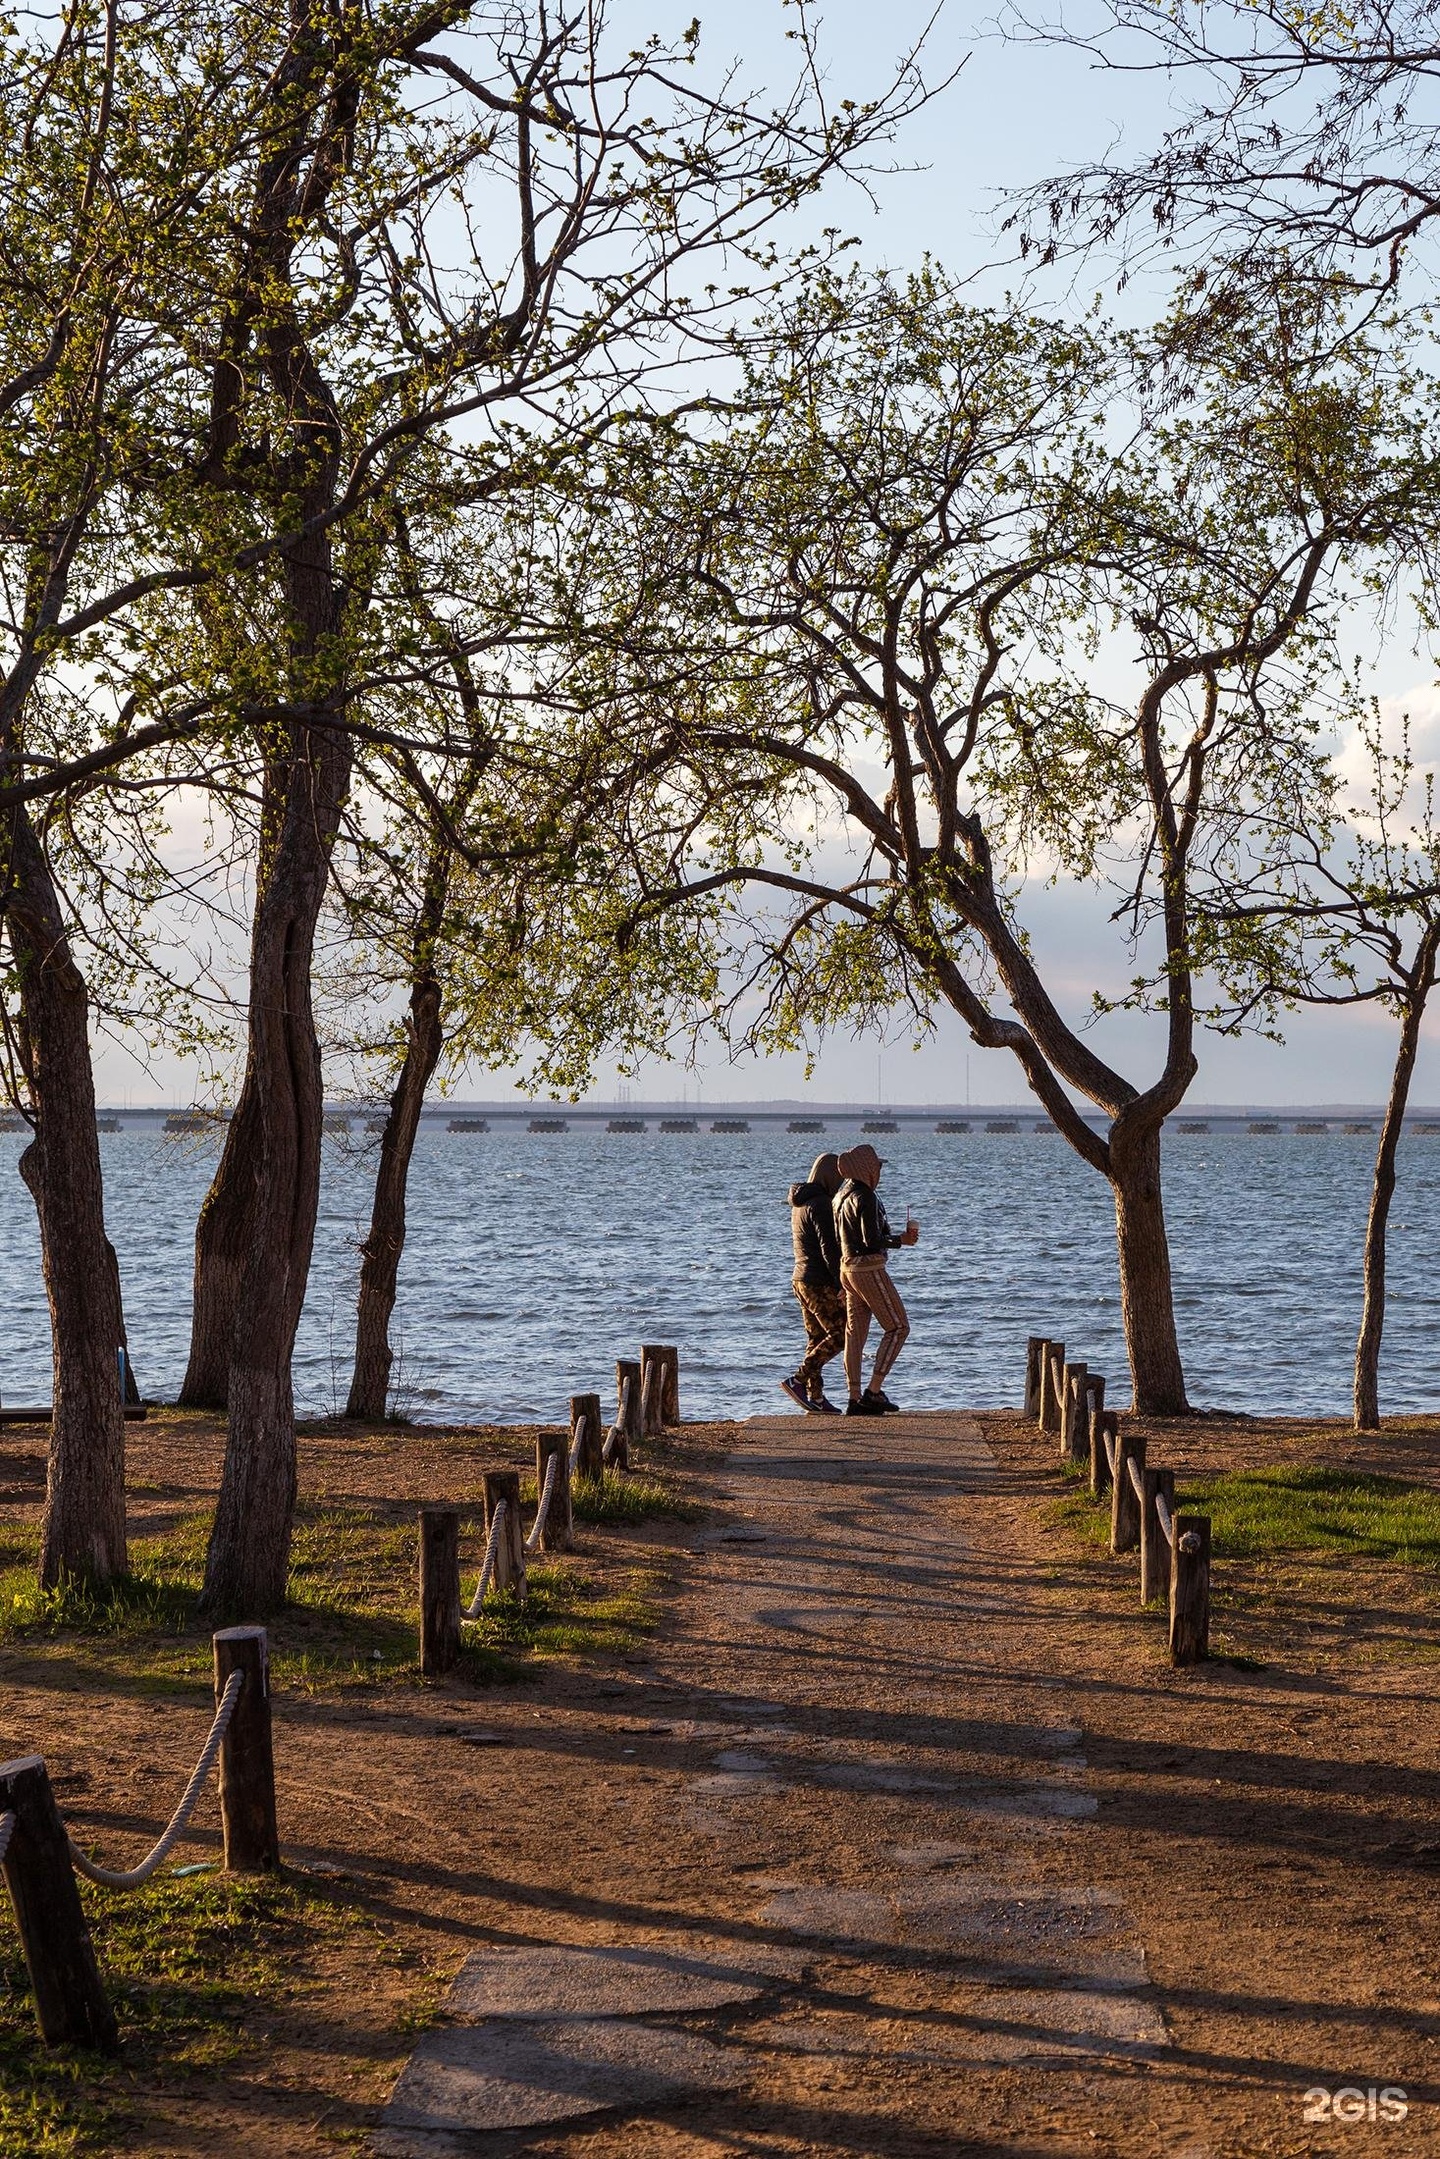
100,174
888,595
486,885
456,215
1339,905
1309,147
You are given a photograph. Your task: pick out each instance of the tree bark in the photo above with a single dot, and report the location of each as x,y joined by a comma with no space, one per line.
1147,1301
283,1093
281,1107
83,1532
1129,1156
130,1391
381,1251
222,1235
1382,1190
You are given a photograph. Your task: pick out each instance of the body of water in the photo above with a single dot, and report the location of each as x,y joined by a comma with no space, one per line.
534,1260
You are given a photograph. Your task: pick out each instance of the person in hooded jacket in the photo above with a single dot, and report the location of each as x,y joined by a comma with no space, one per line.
866,1242
816,1283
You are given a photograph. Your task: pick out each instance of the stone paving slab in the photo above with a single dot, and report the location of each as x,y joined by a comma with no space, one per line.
1041,1806
1068,1936
509,2073
1011,2024
612,1980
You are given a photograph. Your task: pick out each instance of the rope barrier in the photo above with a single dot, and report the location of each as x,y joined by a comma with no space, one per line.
1192,1542
582,1426
1135,1478
532,1542
132,1877
1110,1447
620,1427
487,1567
1162,1515
7,1824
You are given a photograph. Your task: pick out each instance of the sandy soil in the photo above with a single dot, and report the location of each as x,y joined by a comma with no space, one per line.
1273,1825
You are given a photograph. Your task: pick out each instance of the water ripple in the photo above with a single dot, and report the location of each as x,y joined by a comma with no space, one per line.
533,1262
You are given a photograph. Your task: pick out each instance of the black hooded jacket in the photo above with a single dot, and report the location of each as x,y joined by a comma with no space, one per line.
861,1222
812,1227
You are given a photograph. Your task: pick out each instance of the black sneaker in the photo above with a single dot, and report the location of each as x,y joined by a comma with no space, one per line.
881,1401
796,1392
863,1408
820,1405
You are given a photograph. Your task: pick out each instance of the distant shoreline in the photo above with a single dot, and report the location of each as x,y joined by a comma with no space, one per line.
1332,1117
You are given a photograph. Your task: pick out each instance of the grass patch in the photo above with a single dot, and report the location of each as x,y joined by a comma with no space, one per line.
350,1616
1256,1513
1292,1508
619,1497
351,1619
183,1962
563,1615
1088,1518
157,1597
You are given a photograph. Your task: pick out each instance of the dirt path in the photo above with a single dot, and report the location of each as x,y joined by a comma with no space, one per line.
899,1837
878,1877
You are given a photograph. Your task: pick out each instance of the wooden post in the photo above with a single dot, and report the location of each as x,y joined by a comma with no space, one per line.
667,1391
588,1406
71,2005
1051,1386
510,1551
1072,1403
1034,1348
1042,1380
1044,1416
558,1535
1105,1426
1042,1406
247,1760
630,1428
1124,1500
1190,1590
1094,1402
439,1590
1154,1546
652,1390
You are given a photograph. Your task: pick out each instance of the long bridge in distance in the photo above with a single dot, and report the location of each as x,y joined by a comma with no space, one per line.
364,1120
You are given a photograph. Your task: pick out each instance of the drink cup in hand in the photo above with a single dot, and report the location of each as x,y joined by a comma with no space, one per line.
912,1228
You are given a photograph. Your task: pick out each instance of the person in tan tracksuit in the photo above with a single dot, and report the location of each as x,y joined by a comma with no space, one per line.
866,1242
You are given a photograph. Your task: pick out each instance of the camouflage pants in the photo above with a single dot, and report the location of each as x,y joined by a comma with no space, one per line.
823,1310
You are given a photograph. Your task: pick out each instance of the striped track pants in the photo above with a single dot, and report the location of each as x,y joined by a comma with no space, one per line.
869,1292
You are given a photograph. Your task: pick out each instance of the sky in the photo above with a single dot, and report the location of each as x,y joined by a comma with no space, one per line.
1015,112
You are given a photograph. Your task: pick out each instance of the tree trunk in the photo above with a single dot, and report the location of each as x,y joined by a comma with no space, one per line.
1129,1156
1147,1301
380,1253
130,1391
1382,1191
222,1235
83,1532
281,1111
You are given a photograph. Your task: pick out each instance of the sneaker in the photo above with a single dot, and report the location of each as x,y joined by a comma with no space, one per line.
796,1392
864,1407
820,1405
882,1401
